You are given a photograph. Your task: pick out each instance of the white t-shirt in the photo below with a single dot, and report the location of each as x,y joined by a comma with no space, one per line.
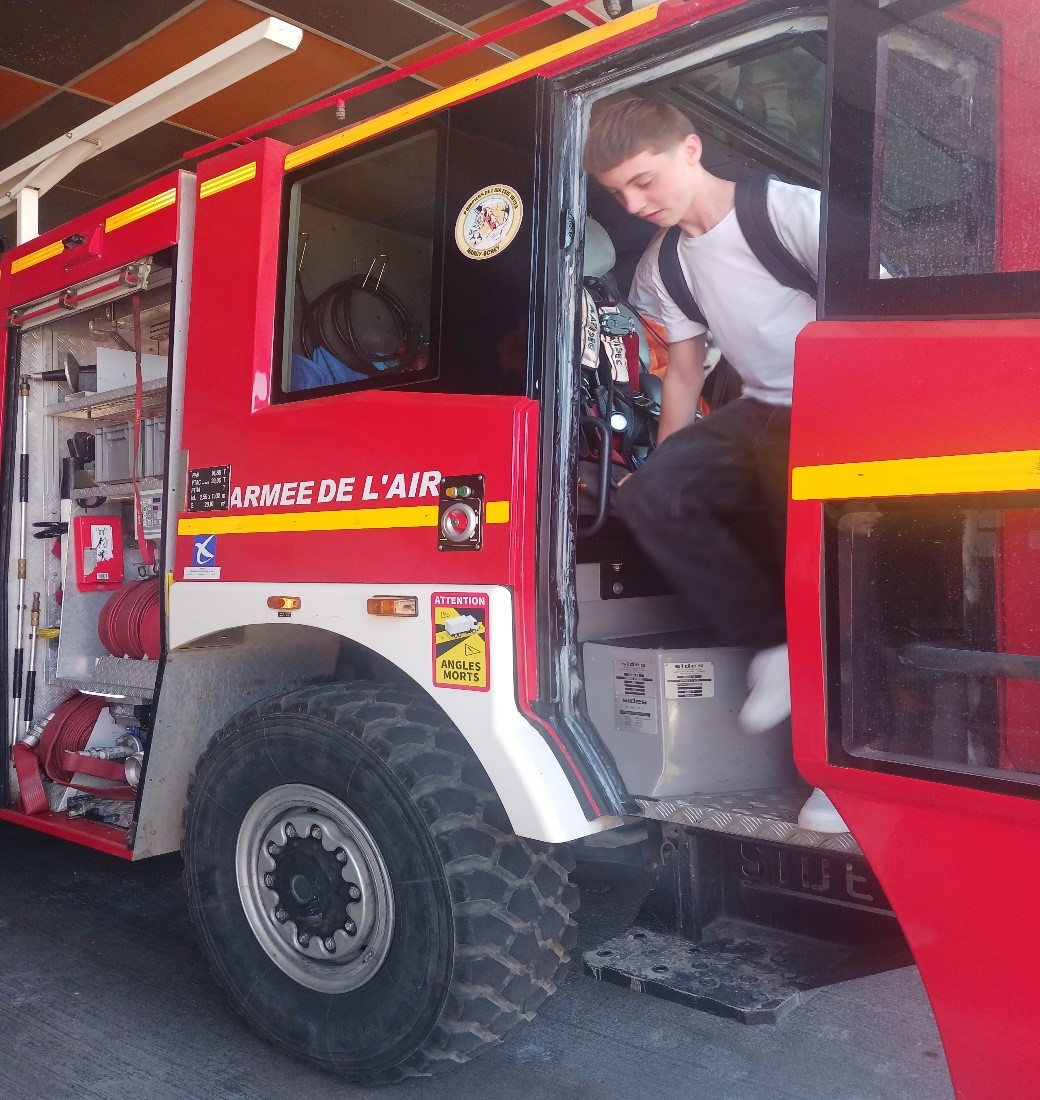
754,320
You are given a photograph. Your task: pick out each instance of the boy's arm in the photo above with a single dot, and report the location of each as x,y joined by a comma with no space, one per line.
682,386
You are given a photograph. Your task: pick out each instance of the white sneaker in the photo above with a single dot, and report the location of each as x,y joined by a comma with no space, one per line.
819,815
769,691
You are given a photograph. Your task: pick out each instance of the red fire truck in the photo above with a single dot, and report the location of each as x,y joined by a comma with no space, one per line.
326,593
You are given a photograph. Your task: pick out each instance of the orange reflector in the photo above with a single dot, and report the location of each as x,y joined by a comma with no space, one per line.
403,607
284,603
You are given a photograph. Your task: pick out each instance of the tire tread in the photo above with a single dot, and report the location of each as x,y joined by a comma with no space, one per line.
505,964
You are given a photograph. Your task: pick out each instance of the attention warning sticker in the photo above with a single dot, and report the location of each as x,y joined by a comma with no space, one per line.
460,640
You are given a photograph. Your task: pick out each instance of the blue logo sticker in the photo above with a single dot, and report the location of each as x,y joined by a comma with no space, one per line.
204,551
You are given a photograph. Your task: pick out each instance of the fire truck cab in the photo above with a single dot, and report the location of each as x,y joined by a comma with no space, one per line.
324,590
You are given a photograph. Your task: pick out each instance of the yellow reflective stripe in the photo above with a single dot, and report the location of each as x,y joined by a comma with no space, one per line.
998,471
141,210
228,179
37,257
466,88
344,519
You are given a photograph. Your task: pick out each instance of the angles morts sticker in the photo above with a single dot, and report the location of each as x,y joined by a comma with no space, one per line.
460,640
488,222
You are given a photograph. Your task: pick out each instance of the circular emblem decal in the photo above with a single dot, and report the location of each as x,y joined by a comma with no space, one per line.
488,222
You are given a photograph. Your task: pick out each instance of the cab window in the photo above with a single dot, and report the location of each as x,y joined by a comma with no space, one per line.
360,263
933,161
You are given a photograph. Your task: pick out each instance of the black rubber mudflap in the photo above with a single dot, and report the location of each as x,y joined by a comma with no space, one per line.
742,971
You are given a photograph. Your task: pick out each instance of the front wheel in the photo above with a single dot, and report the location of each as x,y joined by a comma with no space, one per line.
357,889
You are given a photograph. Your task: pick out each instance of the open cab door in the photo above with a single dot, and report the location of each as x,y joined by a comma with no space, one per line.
914,540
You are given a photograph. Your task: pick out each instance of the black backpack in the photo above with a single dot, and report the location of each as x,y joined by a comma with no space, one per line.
761,236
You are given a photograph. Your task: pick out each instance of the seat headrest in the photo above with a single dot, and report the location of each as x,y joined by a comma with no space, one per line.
599,251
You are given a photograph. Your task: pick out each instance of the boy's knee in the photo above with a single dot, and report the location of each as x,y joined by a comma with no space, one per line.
628,497
645,496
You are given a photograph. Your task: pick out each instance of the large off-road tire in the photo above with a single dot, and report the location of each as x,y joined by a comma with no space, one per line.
357,889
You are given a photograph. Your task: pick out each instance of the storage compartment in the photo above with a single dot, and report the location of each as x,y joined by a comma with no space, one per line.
667,709
80,502
114,446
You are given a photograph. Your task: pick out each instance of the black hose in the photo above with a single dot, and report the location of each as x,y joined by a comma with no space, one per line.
328,322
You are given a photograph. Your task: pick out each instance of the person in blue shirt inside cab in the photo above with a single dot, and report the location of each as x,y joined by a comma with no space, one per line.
700,275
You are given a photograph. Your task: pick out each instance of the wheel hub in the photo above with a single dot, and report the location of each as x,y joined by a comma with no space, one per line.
311,886
314,888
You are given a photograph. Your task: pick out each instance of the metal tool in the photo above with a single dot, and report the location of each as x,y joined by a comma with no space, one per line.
23,503
30,676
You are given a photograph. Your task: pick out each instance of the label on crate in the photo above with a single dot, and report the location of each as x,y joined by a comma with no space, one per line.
635,696
209,489
689,680
460,640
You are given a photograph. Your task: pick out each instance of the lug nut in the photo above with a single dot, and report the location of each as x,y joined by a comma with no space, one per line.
303,939
290,829
350,928
273,849
316,832
330,944
341,855
354,892
280,915
269,881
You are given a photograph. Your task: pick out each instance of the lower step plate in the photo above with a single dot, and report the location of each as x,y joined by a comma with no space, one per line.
739,970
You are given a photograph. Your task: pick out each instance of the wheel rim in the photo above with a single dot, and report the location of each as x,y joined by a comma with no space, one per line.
314,888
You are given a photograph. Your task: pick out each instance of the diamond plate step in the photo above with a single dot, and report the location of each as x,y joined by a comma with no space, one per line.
740,971
756,815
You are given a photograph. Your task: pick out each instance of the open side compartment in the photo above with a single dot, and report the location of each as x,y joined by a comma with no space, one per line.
84,600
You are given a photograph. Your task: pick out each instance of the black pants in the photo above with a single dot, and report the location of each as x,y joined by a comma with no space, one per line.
709,509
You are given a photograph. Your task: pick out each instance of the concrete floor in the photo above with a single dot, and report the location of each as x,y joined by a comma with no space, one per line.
103,994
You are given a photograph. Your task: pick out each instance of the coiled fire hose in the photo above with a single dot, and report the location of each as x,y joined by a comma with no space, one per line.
58,754
328,322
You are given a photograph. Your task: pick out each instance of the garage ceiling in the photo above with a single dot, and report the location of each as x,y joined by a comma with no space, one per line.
63,63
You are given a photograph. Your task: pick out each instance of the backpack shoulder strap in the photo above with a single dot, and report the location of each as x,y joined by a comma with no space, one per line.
673,278
761,236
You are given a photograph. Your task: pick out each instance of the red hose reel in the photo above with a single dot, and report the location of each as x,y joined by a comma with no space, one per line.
129,624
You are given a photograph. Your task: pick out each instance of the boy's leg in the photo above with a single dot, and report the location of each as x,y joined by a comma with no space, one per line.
677,507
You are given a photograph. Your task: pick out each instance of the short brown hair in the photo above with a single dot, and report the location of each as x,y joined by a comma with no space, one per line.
623,126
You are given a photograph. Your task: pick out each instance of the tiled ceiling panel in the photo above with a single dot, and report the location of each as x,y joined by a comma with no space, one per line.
18,93
379,27
196,32
52,118
464,11
58,41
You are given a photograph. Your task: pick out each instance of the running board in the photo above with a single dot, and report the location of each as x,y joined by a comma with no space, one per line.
738,970
769,815
748,913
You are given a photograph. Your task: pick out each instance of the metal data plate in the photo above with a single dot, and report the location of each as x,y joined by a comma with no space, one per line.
756,815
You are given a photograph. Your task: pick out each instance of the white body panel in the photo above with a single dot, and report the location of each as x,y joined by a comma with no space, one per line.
533,787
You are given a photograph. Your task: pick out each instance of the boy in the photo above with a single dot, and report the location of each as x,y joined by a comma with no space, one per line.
681,505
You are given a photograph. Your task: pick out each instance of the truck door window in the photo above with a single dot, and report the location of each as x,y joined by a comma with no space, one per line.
934,162
359,286
937,628
773,96
933,207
